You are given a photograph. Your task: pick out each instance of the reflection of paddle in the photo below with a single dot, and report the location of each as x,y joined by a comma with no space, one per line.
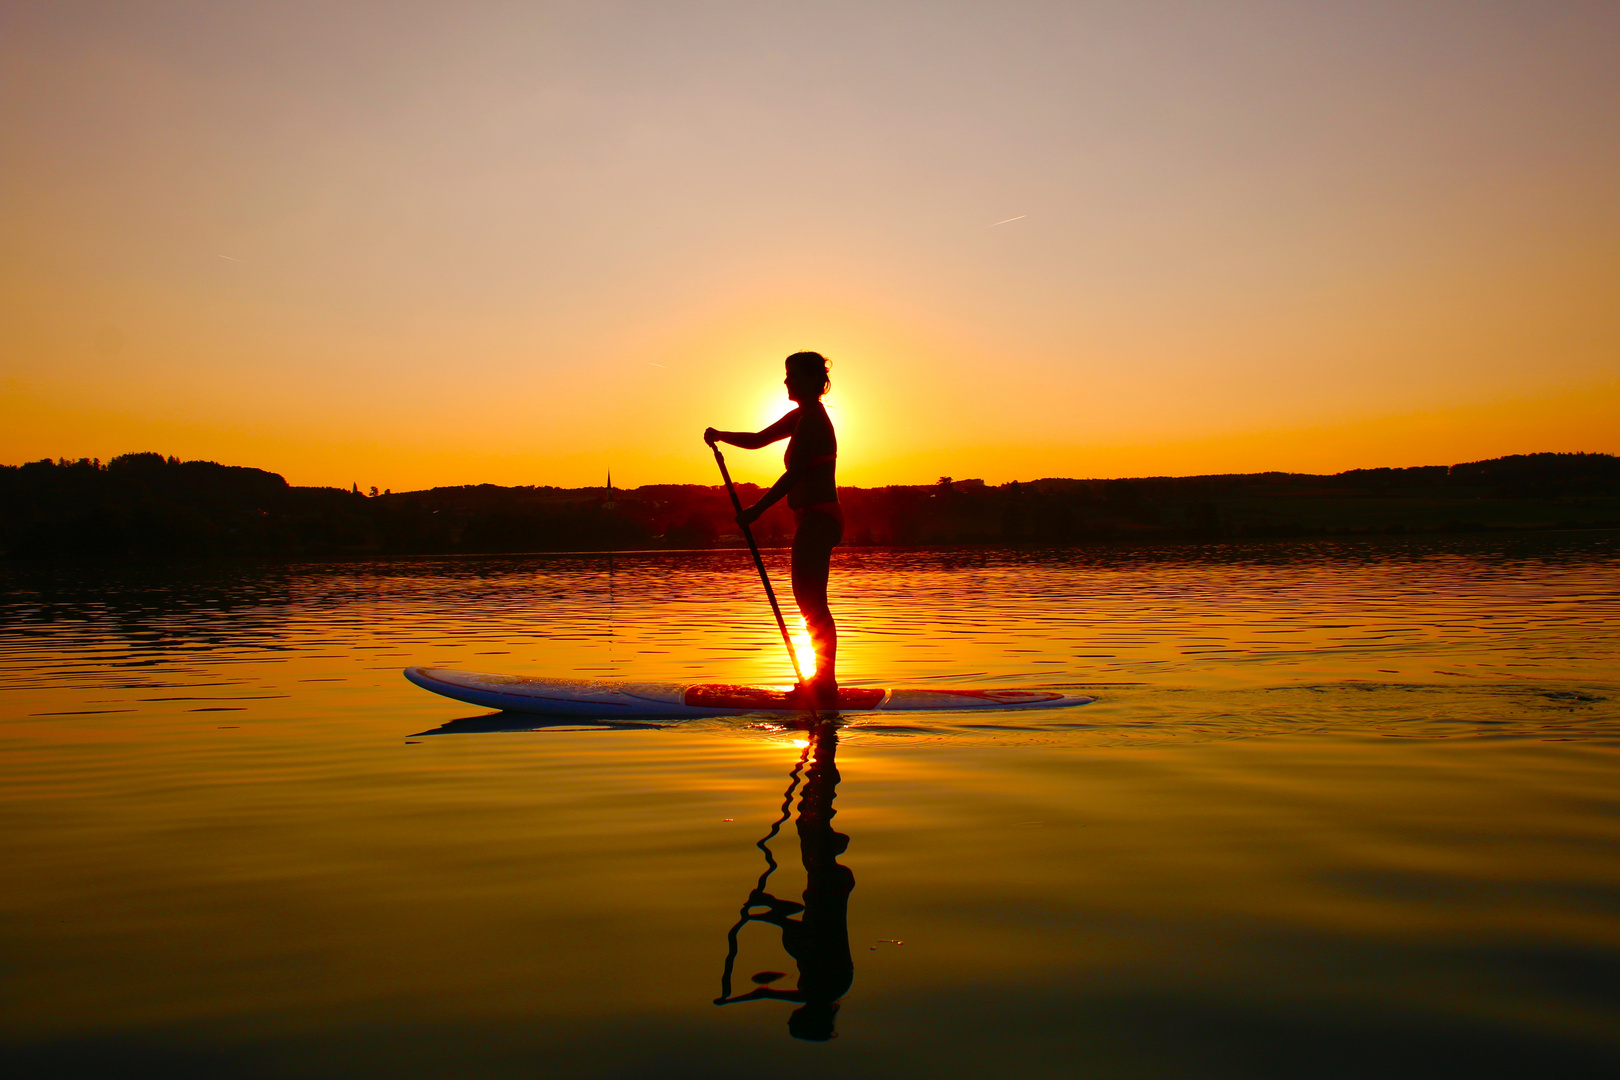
758,898
770,593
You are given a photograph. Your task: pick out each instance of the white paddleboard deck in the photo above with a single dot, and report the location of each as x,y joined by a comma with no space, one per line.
603,698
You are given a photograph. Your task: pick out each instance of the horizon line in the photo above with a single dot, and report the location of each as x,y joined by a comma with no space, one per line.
171,459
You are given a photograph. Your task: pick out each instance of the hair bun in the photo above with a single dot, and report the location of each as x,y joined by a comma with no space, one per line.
811,363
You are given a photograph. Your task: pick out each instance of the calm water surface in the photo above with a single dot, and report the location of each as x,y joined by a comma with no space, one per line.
1339,810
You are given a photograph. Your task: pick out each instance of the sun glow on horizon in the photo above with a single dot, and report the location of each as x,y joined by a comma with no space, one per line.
522,272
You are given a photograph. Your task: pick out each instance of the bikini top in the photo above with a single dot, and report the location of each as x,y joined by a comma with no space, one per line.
824,459
819,459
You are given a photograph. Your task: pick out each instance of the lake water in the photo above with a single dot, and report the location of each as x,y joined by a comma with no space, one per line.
1339,810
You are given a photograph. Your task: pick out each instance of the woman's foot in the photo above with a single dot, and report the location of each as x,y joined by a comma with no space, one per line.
822,691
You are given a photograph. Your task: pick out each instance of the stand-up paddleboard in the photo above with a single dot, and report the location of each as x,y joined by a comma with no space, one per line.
597,697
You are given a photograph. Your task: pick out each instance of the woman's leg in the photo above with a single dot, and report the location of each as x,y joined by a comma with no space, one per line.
817,535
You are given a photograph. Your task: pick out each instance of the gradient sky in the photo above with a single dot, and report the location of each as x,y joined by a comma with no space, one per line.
417,244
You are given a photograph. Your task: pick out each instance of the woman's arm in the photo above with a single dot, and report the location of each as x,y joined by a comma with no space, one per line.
753,440
782,486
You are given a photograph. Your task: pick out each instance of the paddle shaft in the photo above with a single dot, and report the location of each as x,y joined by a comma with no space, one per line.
765,579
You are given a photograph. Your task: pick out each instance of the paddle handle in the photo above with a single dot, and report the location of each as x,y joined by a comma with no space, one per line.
765,579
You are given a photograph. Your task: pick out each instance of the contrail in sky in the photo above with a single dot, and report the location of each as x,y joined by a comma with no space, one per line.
229,257
1020,217
655,365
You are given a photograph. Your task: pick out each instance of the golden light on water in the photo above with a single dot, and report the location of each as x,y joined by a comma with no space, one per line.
1241,704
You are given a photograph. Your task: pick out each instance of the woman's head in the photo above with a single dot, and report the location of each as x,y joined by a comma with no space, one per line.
807,377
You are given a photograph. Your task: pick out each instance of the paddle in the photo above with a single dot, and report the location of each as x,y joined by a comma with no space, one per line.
765,579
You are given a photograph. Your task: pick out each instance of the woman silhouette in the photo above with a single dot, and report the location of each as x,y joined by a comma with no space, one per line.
810,484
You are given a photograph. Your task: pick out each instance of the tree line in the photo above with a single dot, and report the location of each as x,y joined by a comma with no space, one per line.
150,505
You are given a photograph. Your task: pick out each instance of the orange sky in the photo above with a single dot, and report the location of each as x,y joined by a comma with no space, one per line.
417,244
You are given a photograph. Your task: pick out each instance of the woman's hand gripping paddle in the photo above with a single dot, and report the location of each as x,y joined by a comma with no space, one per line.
765,579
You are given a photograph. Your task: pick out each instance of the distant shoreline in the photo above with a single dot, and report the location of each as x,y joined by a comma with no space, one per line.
146,506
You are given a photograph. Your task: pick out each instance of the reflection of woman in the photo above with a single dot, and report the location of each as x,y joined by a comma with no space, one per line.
811,487
819,939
